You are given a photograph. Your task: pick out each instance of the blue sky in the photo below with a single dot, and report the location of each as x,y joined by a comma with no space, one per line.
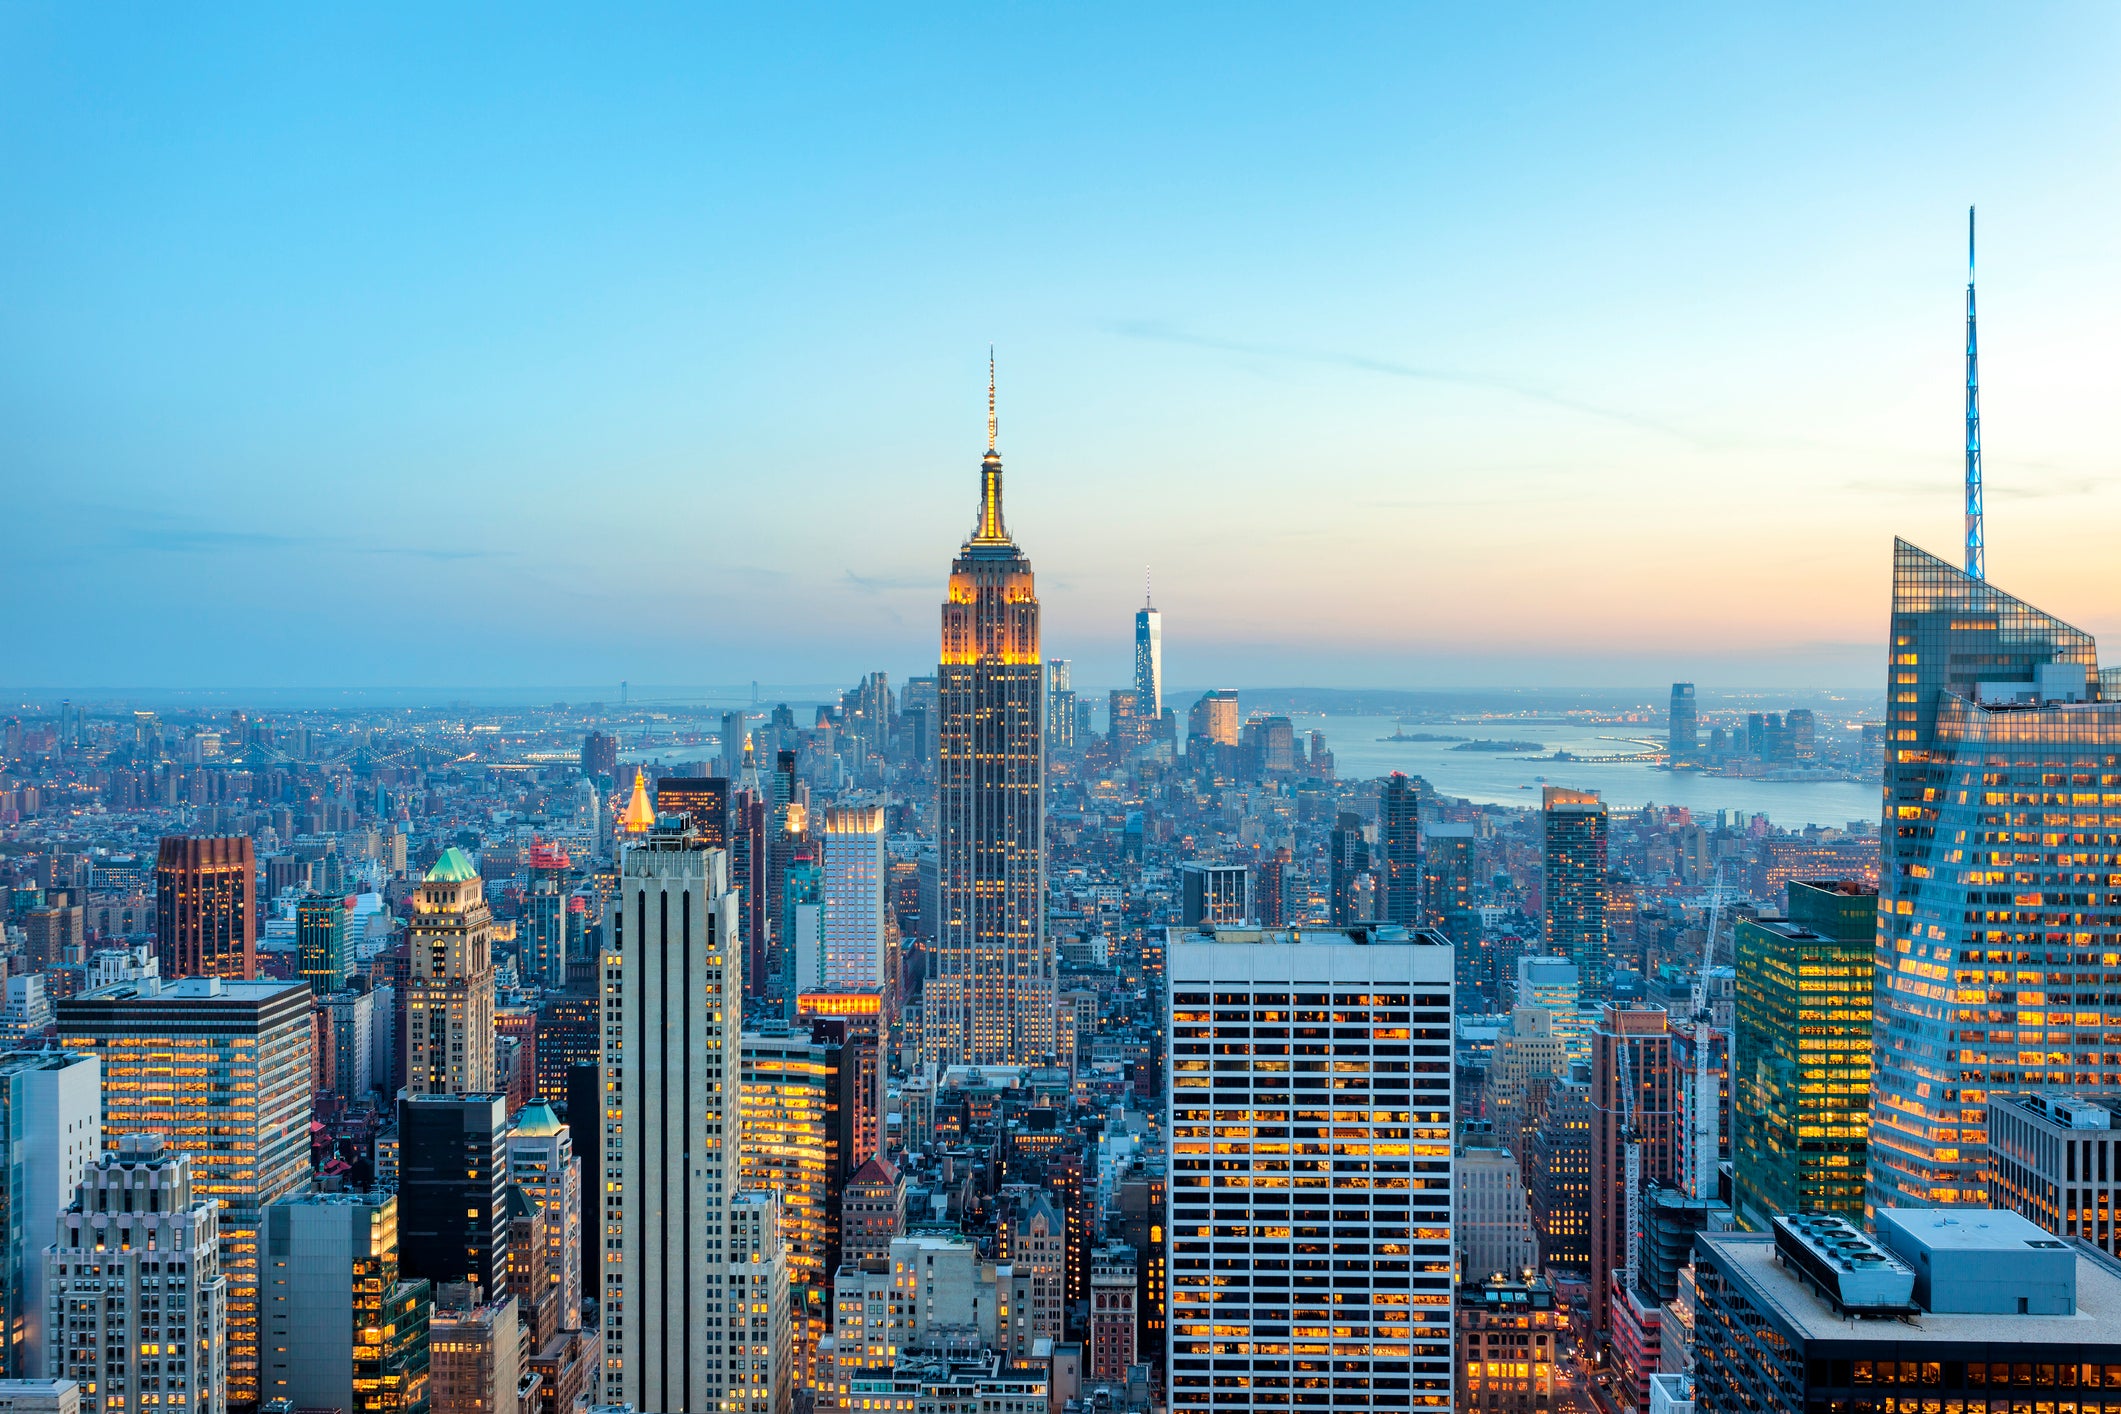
1409,346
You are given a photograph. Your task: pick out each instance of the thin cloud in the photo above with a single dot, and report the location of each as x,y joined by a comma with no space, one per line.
1150,331
883,584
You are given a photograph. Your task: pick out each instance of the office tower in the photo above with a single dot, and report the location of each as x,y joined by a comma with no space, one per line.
856,919
732,747
449,997
529,1271
221,1069
1493,1213
1213,893
1558,1161
356,1065
1113,1267
1974,1309
1553,983
54,935
747,879
1360,1241
1529,1055
342,1329
1149,661
1633,1091
801,938
787,821
1573,890
51,1124
452,1189
2056,1160
853,1023
796,1140
1447,892
1685,730
475,1351
1273,884
763,1380
1348,861
1060,706
1213,720
543,925
672,978
702,800
1800,1094
138,1299
206,909
1399,848
990,998
1508,1338
600,757
1801,729
321,924
1999,797
542,1163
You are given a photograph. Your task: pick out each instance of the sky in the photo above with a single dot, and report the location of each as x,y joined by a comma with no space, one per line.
1406,346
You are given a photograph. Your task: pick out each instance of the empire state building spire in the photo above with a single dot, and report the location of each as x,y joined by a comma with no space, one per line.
991,529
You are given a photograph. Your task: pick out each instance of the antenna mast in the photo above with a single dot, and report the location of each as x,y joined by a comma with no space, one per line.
1976,558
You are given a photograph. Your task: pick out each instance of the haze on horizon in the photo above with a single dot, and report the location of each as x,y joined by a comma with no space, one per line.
488,347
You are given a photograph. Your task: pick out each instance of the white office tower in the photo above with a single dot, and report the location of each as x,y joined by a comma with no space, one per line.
1309,1210
764,1379
542,1162
1493,1214
854,873
672,984
138,1305
51,1114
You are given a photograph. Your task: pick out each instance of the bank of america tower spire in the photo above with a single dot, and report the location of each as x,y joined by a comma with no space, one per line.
991,999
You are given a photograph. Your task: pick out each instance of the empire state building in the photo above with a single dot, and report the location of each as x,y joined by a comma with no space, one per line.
991,998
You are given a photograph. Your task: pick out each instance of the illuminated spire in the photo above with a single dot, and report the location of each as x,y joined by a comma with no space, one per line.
639,818
990,529
1976,556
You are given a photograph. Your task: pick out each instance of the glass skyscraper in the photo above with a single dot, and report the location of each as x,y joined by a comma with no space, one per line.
1999,920
1801,1090
1149,662
1574,886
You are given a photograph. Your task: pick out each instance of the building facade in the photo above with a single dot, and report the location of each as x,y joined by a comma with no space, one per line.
2056,1160
2002,813
221,1069
206,907
673,978
138,1304
1573,889
856,919
51,1132
1637,1093
1399,851
989,1000
449,1031
1309,1207
341,1329
1801,1090
452,1189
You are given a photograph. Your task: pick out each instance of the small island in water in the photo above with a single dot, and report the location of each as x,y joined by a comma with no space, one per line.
1483,744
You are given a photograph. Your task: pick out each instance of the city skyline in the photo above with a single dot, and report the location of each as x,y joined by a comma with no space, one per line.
323,372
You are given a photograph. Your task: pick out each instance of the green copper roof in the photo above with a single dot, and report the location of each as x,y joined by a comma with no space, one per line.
537,1121
454,867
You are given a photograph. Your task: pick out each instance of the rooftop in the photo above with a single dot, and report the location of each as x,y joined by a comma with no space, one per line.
1751,1257
454,867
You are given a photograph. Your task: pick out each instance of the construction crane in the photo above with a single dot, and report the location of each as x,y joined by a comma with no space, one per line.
1705,1120
1631,1165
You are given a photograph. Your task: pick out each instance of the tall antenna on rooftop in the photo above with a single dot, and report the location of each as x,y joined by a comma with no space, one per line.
1976,560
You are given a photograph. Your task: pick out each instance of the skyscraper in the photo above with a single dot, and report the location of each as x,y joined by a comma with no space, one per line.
1800,1096
702,800
1349,861
1685,739
545,916
321,924
137,1283
1060,705
1995,959
452,1187
1574,887
51,1126
733,735
1149,661
851,856
1638,1096
542,1162
1330,1209
669,1148
991,999
342,1329
449,997
1399,841
222,1068
206,907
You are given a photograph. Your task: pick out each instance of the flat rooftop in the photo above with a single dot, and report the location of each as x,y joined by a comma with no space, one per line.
2097,1319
